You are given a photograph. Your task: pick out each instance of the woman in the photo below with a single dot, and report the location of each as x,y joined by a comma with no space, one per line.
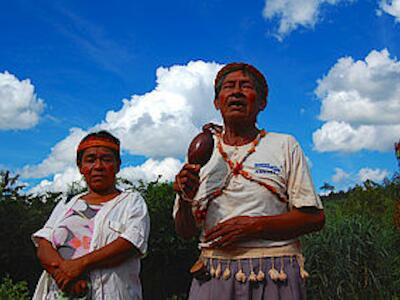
91,245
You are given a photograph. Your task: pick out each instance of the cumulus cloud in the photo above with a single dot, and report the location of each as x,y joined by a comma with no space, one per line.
61,182
158,125
294,13
340,176
391,7
375,175
151,169
162,122
62,157
344,179
20,108
360,104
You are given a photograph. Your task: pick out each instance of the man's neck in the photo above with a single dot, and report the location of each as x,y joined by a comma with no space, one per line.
239,134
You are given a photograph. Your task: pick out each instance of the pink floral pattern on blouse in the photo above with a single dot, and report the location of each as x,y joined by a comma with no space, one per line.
73,235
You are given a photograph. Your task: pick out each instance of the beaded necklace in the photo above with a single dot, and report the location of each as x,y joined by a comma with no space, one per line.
201,205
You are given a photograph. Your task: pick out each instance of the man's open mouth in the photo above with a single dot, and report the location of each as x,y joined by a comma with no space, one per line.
237,103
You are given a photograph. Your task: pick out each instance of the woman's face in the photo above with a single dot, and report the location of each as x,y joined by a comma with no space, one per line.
99,166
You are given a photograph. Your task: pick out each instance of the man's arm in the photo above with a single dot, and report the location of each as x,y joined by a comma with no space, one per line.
187,182
185,224
293,224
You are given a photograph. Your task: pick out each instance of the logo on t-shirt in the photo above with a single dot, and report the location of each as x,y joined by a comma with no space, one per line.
266,168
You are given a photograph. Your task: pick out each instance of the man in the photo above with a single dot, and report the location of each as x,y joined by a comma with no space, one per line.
250,202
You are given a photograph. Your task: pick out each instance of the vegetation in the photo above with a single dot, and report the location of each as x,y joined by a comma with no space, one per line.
355,256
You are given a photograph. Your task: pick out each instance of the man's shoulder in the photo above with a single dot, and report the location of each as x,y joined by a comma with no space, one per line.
280,138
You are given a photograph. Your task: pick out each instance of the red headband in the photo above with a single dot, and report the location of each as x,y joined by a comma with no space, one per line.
98,142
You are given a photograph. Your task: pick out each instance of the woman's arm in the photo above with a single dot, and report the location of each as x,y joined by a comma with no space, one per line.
47,255
108,256
48,258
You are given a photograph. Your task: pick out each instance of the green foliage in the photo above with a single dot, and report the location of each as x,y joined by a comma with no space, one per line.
13,291
355,256
166,267
20,216
348,260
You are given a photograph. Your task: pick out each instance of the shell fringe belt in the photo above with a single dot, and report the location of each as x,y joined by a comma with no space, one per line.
213,257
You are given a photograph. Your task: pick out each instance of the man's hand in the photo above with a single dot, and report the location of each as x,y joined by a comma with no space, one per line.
281,227
187,180
186,185
234,230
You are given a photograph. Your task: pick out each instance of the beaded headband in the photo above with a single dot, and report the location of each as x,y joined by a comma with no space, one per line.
98,142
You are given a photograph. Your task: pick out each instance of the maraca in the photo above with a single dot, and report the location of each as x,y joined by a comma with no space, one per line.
202,146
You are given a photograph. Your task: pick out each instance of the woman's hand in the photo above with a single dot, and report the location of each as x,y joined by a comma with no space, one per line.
67,271
78,289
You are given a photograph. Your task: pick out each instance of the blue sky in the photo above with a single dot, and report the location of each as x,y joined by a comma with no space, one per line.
145,71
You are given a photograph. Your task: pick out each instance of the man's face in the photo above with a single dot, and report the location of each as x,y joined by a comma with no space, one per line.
238,99
99,166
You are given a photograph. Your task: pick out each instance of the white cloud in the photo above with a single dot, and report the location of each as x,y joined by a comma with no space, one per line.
151,169
375,175
344,180
295,13
20,108
360,104
340,176
62,156
148,171
162,122
159,124
391,7
61,182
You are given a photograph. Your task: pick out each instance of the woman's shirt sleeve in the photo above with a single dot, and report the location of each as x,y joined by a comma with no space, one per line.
138,224
46,231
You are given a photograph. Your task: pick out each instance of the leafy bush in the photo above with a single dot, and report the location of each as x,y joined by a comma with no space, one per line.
355,256
13,291
165,271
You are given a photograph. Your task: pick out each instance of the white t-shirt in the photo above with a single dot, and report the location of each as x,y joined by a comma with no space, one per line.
279,162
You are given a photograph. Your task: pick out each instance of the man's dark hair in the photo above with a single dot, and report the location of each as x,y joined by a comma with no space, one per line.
102,134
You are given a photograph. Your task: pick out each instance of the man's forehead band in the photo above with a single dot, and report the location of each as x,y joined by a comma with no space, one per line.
98,142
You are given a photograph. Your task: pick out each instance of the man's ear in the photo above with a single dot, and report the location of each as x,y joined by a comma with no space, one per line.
216,104
262,104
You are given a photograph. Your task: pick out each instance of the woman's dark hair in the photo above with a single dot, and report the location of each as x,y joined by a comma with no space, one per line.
102,134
